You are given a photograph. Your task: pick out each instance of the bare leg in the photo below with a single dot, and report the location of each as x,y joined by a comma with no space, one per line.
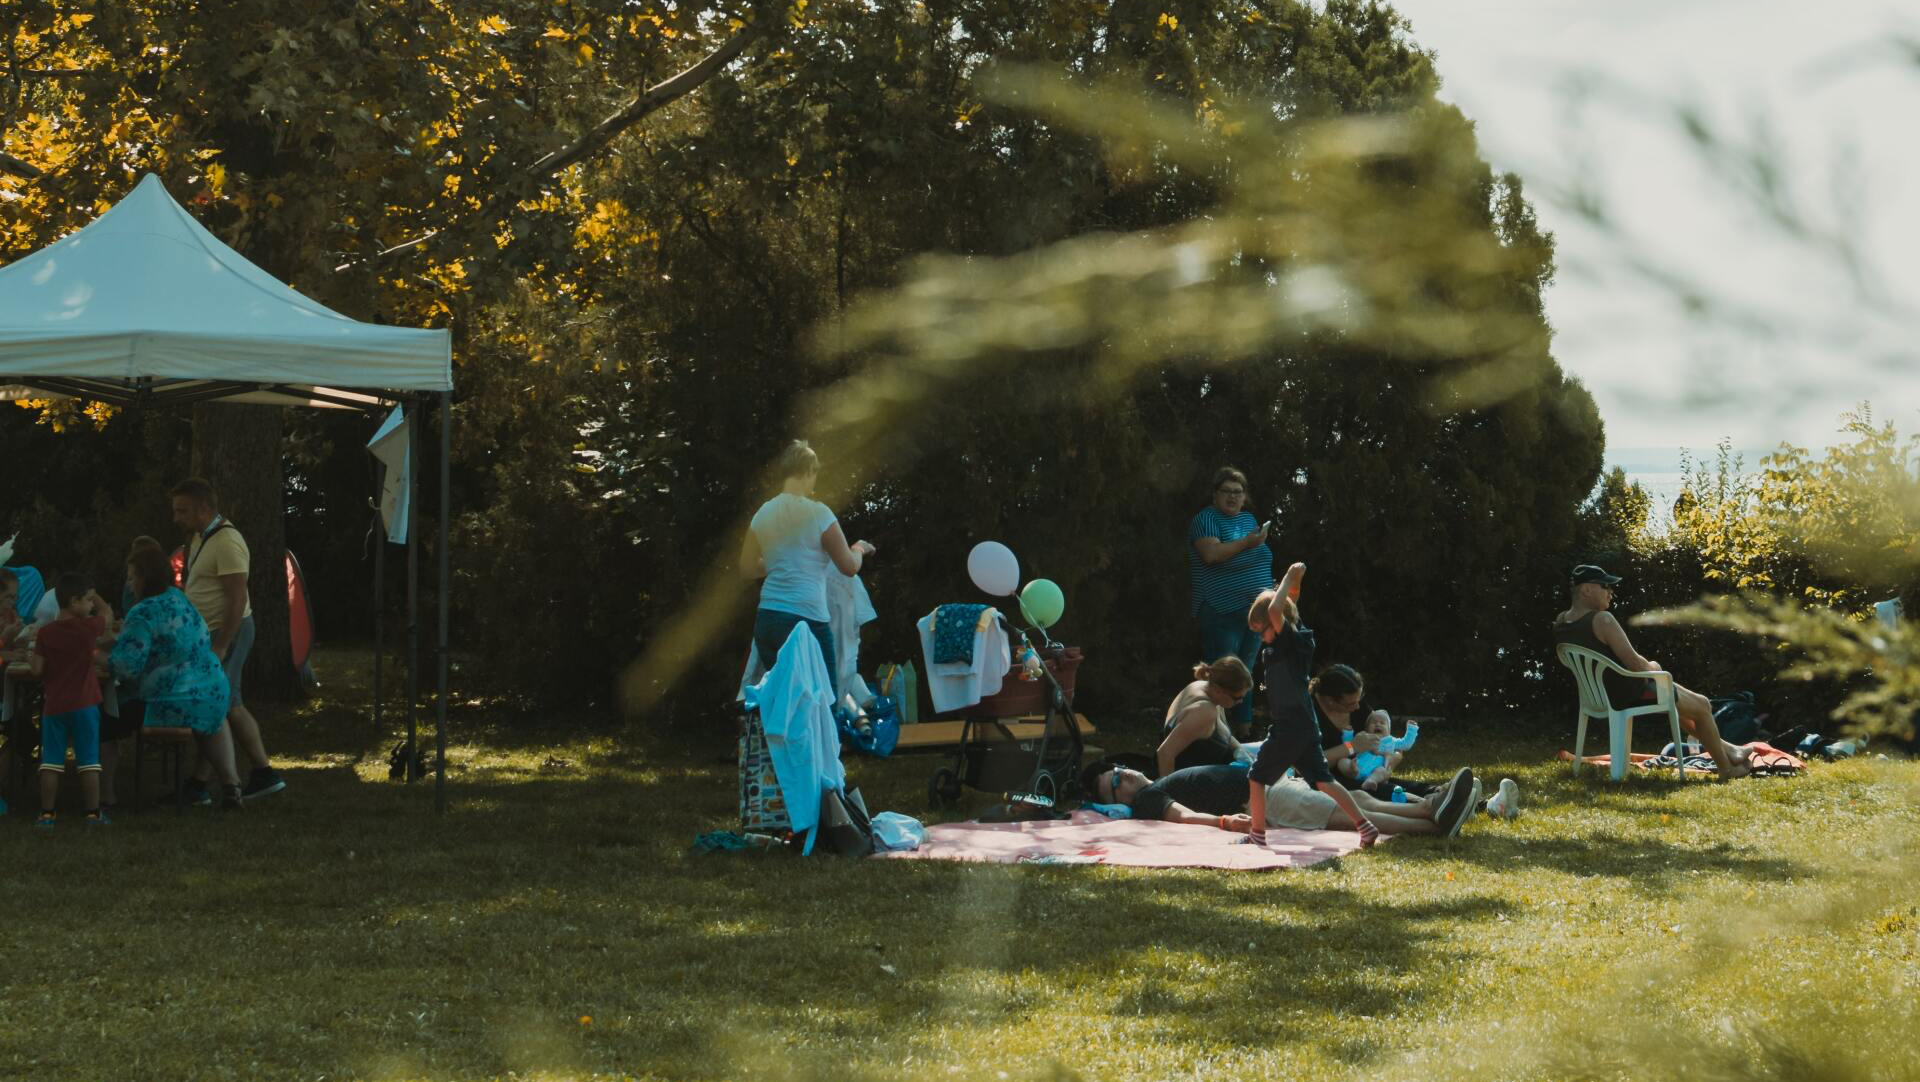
90,789
243,731
1421,808
246,735
217,752
49,789
1696,716
1397,821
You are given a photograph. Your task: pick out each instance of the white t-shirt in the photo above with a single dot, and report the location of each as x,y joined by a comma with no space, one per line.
788,528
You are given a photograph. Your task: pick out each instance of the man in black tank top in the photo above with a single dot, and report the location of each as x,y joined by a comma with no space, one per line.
1587,623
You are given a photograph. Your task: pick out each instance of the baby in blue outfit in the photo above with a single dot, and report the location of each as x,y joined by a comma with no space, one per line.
1374,769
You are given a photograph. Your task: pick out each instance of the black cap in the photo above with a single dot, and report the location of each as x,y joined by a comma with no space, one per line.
1593,573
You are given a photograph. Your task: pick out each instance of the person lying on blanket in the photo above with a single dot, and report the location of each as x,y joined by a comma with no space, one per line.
1293,742
1216,796
1587,623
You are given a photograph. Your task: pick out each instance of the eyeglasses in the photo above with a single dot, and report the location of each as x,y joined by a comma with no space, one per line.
1225,491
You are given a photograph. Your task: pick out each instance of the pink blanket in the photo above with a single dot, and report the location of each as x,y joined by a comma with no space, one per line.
1091,838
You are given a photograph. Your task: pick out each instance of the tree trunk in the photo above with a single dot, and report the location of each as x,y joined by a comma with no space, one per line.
237,448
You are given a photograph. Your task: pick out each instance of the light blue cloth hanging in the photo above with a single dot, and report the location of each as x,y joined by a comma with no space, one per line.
795,701
32,589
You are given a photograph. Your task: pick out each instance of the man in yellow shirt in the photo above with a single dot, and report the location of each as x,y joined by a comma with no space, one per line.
215,573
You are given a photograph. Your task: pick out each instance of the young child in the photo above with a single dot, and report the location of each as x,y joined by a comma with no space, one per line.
63,658
1374,769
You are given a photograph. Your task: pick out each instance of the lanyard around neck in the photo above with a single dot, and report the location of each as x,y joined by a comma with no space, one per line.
212,528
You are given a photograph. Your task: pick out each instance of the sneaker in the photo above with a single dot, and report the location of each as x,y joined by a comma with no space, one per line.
1457,805
1505,803
264,781
193,795
45,822
98,818
230,797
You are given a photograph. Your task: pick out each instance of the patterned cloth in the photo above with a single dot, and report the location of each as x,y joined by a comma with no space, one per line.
164,647
954,628
1230,586
32,589
762,805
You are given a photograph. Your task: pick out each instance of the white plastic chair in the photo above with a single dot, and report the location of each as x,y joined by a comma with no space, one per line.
1588,673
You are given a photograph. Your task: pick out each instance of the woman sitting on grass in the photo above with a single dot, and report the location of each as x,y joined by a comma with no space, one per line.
165,648
1195,732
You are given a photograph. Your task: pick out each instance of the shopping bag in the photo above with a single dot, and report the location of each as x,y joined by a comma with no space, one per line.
763,809
845,827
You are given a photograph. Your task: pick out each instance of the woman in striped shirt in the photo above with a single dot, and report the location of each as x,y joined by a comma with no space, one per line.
1229,564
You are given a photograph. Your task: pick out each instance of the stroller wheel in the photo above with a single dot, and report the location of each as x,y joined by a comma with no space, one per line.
943,788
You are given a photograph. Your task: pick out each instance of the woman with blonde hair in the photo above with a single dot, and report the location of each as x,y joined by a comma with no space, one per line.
791,544
1195,732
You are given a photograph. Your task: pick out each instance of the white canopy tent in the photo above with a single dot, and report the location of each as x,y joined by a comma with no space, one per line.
145,307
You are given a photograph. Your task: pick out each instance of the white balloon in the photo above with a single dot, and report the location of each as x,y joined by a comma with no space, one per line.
994,569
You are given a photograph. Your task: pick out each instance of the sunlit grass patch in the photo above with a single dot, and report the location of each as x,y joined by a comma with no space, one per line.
342,930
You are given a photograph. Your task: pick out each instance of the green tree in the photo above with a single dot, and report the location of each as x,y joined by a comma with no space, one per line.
325,143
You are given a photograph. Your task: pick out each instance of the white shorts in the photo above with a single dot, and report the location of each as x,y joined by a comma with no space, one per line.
1293,803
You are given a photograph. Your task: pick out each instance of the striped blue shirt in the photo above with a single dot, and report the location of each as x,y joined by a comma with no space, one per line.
1229,586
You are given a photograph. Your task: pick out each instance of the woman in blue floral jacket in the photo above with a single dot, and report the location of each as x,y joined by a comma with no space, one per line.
164,648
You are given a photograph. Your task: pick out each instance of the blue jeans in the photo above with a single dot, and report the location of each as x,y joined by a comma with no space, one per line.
1223,633
235,662
771,628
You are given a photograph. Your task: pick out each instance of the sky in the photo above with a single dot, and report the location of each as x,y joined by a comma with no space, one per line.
1585,98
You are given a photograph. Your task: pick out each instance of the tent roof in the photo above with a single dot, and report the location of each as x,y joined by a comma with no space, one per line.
145,303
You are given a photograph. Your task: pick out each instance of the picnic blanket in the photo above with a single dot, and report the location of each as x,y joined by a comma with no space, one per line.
1091,838
1766,760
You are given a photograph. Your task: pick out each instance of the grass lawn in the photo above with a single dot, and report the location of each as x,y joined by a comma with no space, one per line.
553,926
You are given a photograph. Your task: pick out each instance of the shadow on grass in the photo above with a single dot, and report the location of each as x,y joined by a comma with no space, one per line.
1650,865
554,922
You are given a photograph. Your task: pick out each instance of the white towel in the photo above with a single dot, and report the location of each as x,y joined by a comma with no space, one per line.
954,684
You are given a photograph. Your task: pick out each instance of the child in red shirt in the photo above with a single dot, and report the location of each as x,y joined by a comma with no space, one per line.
63,659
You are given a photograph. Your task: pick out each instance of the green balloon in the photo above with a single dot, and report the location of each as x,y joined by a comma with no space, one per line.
1042,602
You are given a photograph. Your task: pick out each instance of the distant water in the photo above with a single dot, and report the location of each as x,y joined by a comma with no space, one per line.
1663,489
1659,471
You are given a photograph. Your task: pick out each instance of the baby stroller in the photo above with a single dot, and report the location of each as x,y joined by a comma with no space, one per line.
1039,773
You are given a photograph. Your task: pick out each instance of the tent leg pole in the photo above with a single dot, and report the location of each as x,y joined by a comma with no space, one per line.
413,585
446,593
379,611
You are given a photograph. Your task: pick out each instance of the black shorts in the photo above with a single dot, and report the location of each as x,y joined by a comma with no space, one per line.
132,713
